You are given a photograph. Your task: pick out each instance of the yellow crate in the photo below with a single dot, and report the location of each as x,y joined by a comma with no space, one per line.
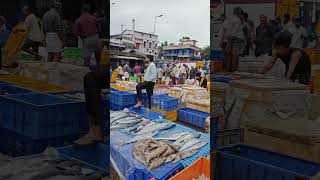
17,80
16,40
120,88
43,87
170,115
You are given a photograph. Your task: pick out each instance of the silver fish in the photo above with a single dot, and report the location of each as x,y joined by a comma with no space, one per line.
138,138
158,127
168,152
170,158
112,120
139,149
187,154
174,137
177,158
157,163
119,126
197,146
181,141
189,144
155,153
129,121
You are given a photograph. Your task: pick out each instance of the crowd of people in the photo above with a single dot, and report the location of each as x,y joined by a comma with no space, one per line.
167,74
49,32
280,39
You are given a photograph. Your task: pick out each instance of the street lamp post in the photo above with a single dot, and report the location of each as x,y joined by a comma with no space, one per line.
154,23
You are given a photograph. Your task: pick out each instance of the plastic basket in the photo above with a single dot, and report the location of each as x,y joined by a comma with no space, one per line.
200,166
96,157
84,122
217,55
15,41
223,79
143,175
229,137
116,107
147,113
6,89
164,102
15,144
40,115
170,115
122,98
261,164
194,117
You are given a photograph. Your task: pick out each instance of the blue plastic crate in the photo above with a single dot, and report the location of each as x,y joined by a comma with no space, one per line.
164,102
144,175
245,162
40,115
223,79
147,113
217,55
123,98
116,107
4,83
227,137
15,144
96,157
84,122
194,117
7,89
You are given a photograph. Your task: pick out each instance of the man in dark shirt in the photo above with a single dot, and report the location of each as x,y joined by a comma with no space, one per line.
264,37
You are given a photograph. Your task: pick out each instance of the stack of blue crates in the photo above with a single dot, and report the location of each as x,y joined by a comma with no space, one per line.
164,102
246,162
31,122
194,117
122,99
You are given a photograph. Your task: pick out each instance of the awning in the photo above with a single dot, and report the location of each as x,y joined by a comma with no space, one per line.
125,57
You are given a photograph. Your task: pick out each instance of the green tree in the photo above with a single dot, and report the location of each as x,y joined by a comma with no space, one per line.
165,43
205,53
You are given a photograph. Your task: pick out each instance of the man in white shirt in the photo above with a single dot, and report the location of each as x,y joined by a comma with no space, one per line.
233,33
299,34
150,78
34,34
287,24
183,73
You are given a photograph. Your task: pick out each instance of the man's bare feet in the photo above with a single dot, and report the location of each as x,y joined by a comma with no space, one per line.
139,104
94,136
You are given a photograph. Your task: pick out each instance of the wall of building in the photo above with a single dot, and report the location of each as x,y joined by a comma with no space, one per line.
144,42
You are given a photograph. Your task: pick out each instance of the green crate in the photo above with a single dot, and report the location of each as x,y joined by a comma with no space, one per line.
73,53
27,57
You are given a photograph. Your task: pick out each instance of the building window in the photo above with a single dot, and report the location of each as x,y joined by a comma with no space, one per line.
144,44
155,46
150,44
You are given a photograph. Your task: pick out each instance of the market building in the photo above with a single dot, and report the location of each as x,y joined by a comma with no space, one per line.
186,50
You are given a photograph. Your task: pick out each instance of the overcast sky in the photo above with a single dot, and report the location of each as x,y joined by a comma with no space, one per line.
180,18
